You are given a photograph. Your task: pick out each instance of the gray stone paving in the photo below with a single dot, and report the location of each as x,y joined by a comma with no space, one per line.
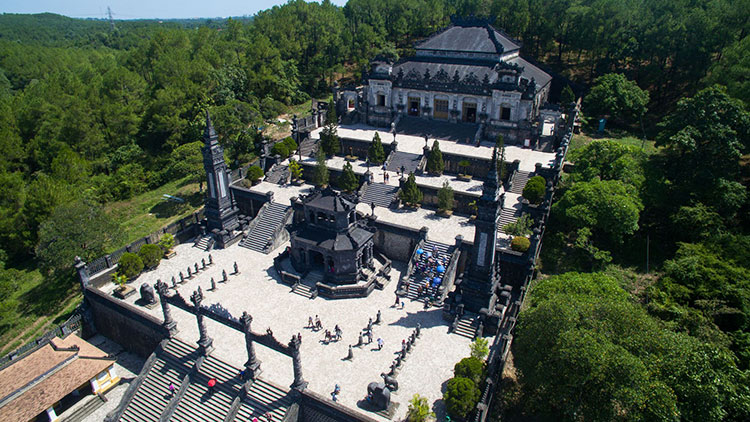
257,291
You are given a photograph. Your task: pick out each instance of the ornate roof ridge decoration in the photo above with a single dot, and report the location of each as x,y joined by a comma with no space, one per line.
471,79
442,76
413,75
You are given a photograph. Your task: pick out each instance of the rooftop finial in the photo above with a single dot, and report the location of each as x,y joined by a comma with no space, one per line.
209,135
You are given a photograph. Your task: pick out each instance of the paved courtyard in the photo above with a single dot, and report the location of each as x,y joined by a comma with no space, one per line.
257,290
415,144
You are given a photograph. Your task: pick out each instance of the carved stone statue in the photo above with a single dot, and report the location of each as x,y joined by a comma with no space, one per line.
390,382
378,395
147,294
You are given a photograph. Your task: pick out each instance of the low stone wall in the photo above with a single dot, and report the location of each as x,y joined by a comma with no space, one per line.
461,200
360,148
248,202
394,241
128,326
316,408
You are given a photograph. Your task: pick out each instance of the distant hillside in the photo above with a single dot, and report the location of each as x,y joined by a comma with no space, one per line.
50,29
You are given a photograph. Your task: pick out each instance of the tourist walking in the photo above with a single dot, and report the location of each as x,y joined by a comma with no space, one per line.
310,322
171,389
380,343
318,324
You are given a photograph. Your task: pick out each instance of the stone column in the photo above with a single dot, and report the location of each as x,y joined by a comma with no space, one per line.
83,272
169,323
205,342
294,346
252,366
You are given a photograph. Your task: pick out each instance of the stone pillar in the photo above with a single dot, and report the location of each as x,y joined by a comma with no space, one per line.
294,346
252,366
169,323
83,273
205,342
51,414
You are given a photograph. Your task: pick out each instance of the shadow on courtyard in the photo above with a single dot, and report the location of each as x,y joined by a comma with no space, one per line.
428,318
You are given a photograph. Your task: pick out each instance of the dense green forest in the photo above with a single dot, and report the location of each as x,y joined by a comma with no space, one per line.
91,114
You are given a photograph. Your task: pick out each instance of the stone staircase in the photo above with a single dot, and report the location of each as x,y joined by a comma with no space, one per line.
203,243
507,216
415,279
380,194
466,326
278,175
309,147
407,160
82,412
198,403
269,219
262,397
172,365
519,181
303,290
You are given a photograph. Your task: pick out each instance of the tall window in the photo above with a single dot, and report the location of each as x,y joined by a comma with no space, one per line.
381,100
504,113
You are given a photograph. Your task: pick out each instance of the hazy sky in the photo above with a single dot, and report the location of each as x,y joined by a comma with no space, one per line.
135,9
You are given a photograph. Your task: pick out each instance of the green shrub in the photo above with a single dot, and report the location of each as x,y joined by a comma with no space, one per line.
280,149
461,396
445,197
150,255
130,265
290,144
520,244
296,169
435,163
535,189
520,227
463,165
254,173
322,175
480,348
471,368
410,193
348,181
376,153
166,242
419,409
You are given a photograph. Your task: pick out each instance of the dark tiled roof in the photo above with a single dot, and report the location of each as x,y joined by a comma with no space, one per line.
532,72
330,240
480,39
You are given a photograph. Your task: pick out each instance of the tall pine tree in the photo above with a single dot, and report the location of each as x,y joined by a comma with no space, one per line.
435,163
376,154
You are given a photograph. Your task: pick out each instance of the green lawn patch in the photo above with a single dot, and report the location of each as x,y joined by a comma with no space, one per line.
582,139
149,212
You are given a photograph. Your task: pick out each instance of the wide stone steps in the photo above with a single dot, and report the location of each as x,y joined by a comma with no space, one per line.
279,174
80,414
202,243
466,327
302,290
417,278
153,396
270,218
403,159
380,194
263,397
519,181
507,216
198,403
309,147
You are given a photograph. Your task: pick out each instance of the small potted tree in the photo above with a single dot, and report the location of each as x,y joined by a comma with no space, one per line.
167,245
474,209
296,170
130,265
463,166
410,193
445,200
122,291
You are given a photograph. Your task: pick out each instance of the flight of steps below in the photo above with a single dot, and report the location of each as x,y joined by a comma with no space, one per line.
269,220
261,398
280,173
379,194
302,290
465,327
519,181
80,414
415,280
404,159
309,147
507,216
202,243
198,403
153,396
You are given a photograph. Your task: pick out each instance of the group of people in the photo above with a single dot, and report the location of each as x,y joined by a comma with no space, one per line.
317,325
429,267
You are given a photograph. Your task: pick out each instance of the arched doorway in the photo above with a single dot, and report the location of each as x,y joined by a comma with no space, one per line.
469,111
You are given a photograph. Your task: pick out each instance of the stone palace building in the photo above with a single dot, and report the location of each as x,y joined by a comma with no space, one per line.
469,72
